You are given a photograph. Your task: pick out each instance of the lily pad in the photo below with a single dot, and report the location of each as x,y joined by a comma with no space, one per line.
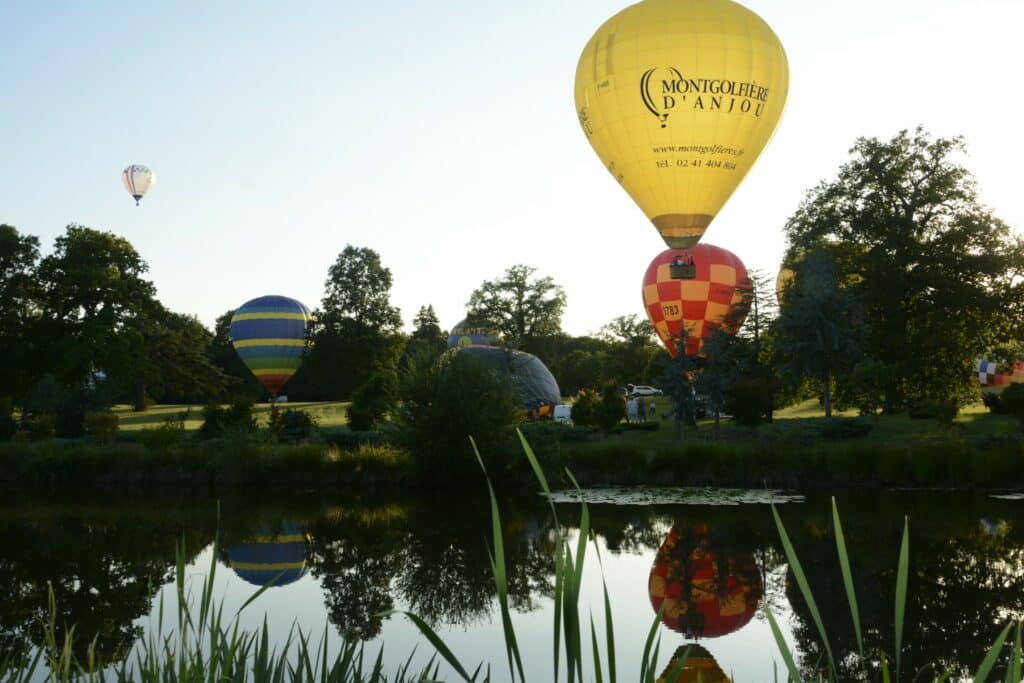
675,496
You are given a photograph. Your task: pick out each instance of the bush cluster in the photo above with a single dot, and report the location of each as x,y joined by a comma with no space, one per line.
101,426
236,418
291,425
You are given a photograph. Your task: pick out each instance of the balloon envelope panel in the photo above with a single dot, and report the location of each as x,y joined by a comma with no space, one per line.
463,335
269,335
678,98
994,376
698,305
532,379
279,555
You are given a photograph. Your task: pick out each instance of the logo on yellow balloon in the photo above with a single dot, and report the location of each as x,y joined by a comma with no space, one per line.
665,89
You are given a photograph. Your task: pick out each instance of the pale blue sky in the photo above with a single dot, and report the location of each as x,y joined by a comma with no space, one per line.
442,135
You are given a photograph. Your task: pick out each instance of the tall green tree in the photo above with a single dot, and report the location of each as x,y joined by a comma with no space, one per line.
176,364
356,329
632,347
426,335
938,275
19,255
94,300
521,306
820,330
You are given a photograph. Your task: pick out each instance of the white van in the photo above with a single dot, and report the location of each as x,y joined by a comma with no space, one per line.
563,413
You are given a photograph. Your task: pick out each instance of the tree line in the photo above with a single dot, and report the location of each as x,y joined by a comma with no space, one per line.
82,329
901,278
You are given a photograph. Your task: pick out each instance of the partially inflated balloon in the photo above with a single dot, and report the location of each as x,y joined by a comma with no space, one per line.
678,98
269,334
137,180
713,299
463,335
700,587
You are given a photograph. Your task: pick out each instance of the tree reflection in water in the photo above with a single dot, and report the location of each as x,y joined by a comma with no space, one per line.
105,565
106,562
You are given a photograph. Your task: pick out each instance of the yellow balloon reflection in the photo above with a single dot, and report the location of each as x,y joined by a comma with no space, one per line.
678,98
699,665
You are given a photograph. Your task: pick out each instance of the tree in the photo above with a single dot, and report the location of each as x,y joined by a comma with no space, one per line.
427,335
94,304
522,308
358,289
177,357
222,354
938,275
444,403
19,255
631,348
677,382
426,325
819,331
356,330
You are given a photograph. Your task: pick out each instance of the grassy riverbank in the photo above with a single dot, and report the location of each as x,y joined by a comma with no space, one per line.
798,450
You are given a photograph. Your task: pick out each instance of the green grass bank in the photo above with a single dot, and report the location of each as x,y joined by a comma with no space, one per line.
798,450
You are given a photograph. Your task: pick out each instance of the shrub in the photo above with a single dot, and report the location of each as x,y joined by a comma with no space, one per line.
236,418
168,435
291,425
40,427
845,428
1012,398
611,410
373,401
101,426
446,402
584,408
8,425
993,403
749,400
944,411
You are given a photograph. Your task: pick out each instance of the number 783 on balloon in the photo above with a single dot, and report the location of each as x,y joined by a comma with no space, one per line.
696,163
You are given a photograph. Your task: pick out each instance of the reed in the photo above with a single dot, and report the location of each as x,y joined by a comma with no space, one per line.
209,645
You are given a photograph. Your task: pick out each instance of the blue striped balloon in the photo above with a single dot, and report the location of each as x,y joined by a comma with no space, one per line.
269,335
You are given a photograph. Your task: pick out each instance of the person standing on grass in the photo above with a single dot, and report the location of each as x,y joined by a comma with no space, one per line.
640,411
631,410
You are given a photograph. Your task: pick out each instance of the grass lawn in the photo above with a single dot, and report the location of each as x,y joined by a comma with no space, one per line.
973,420
329,414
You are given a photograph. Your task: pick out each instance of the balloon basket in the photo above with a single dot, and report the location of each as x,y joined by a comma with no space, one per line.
682,271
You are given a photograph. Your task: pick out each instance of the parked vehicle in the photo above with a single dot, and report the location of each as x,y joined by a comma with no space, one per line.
563,413
642,390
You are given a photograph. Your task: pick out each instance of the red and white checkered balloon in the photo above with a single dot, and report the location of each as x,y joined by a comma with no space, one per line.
700,304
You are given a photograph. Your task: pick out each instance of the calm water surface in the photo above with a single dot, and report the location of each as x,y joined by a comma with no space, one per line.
341,562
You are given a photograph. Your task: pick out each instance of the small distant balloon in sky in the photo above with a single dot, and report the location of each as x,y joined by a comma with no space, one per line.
678,98
137,180
269,335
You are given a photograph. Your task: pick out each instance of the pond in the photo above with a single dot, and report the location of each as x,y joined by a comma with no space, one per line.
712,560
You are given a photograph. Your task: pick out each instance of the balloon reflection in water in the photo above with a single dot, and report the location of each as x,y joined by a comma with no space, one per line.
700,665
703,589
273,555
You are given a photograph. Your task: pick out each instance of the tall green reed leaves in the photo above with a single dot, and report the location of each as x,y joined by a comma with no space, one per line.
870,670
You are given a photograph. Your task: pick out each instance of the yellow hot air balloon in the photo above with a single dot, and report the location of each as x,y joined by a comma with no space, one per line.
678,98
